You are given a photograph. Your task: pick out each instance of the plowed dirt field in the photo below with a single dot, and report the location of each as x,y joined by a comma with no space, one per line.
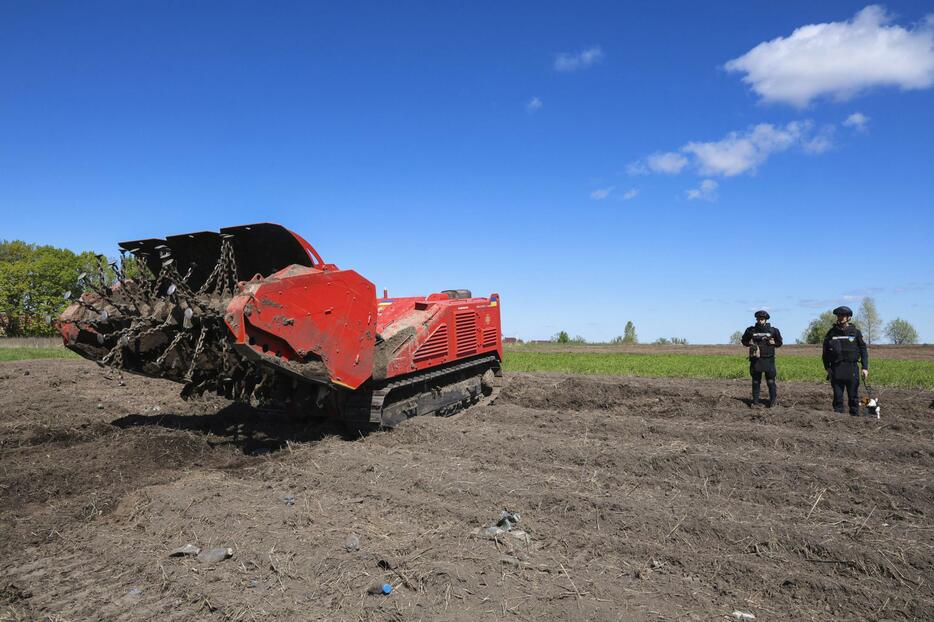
642,499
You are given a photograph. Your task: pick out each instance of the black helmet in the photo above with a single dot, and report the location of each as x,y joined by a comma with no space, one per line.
843,311
762,313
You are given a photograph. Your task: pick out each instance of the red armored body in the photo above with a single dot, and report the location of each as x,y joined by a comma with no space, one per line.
254,313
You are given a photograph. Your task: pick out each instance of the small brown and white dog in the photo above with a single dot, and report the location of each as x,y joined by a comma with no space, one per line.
872,407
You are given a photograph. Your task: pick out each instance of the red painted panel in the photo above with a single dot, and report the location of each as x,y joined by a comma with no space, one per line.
471,325
302,314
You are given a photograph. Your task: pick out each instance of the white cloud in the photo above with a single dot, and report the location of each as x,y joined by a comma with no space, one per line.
857,120
738,152
742,152
670,162
637,168
707,191
630,194
601,193
581,60
822,142
840,59
534,105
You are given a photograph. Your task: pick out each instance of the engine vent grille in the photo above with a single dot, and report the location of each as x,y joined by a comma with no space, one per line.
466,332
489,337
437,345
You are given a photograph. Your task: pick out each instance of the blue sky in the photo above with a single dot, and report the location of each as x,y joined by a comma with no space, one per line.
593,163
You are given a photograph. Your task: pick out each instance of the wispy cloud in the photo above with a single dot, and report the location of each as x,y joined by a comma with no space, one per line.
821,142
840,59
601,193
818,303
826,304
856,295
580,60
631,194
637,168
706,191
670,162
913,287
859,294
737,152
534,105
857,120
742,152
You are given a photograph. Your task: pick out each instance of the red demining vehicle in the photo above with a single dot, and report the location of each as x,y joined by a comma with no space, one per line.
254,314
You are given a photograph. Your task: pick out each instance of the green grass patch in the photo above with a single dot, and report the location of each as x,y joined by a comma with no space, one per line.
23,354
918,374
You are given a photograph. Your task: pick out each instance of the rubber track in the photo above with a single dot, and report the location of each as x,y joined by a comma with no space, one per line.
379,395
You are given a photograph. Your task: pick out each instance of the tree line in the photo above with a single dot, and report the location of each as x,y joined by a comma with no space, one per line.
629,336
35,284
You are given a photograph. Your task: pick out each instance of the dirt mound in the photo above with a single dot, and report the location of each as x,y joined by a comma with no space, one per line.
641,499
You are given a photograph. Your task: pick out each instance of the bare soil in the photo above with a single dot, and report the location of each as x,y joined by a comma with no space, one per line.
643,499
883,351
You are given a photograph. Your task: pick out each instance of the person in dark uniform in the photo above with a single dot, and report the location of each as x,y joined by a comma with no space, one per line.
845,353
762,338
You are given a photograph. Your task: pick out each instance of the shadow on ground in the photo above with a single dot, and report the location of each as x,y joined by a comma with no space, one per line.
252,430
748,402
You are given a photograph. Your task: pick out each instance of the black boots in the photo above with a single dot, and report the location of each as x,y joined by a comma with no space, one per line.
773,394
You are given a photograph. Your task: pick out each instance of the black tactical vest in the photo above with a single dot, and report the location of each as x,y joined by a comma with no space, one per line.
843,345
760,338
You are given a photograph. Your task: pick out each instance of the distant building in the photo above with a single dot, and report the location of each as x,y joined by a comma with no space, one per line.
510,340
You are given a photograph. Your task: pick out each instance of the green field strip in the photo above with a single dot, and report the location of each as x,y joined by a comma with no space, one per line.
917,374
23,354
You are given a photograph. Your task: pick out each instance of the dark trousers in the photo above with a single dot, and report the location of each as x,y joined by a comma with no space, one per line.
849,384
756,370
